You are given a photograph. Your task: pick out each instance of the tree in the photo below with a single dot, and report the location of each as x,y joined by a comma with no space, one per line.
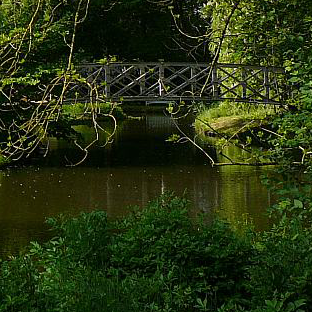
261,32
144,30
275,33
36,59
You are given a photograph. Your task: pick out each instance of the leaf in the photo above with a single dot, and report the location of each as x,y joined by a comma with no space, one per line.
298,203
173,138
294,79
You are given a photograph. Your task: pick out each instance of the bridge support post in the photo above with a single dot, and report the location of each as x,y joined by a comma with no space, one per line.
266,84
161,80
107,81
244,83
215,82
142,79
193,73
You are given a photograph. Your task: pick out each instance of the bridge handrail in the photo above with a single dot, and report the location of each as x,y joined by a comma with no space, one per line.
276,69
146,81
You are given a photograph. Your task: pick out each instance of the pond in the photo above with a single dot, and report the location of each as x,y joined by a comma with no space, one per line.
136,167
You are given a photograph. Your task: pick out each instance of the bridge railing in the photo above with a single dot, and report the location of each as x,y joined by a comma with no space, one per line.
180,81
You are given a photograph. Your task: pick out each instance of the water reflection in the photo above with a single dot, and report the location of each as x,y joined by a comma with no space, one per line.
242,195
137,167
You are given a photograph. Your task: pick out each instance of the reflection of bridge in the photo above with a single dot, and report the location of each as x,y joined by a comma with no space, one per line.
180,81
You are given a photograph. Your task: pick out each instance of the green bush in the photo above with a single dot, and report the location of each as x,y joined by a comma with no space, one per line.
194,261
159,259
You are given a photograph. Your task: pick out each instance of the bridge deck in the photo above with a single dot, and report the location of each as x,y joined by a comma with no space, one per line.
161,81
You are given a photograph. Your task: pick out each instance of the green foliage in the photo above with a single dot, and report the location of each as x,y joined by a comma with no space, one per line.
245,111
275,33
37,54
83,239
279,29
280,36
32,49
292,141
3,160
38,28
174,138
85,111
158,259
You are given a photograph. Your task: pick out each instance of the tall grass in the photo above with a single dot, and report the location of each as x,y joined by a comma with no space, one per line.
227,111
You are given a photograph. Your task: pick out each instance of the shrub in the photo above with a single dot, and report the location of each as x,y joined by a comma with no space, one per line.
160,259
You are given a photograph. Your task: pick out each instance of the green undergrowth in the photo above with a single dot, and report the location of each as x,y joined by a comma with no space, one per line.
229,117
159,259
85,111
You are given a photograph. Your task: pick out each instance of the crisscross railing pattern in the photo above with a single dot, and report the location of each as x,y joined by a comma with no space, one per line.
162,81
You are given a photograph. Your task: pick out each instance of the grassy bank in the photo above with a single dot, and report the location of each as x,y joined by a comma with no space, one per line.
85,111
229,118
159,259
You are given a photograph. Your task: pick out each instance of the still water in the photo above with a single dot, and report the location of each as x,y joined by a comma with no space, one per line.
136,167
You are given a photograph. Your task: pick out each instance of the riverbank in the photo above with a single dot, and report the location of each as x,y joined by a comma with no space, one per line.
159,259
86,111
121,111
228,118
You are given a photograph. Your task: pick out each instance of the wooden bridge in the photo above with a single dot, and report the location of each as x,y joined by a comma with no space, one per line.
161,81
